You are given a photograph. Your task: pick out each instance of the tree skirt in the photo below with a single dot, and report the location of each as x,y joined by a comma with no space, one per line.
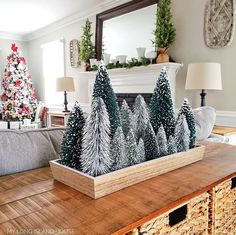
219,23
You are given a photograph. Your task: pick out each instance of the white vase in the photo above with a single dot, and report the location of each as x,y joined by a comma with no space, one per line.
93,62
106,58
141,52
151,55
121,58
14,125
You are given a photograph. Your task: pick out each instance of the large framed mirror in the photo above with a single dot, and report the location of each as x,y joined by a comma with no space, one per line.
109,22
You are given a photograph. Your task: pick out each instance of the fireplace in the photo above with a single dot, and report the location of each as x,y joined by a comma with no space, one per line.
130,98
128,83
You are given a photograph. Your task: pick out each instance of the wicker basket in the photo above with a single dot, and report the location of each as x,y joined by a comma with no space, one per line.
188,218
222,211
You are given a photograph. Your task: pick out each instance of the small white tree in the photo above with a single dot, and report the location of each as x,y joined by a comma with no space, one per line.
141,117
141,150
172,145
95,158
182,134
131,149
150,143
162,141
118,155
126,118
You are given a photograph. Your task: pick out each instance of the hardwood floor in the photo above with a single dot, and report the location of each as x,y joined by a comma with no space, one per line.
33,203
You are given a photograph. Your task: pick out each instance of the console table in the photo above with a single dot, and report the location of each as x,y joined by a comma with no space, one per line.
57,118
34,201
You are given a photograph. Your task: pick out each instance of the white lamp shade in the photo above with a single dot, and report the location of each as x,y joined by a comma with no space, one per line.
65,84
204,76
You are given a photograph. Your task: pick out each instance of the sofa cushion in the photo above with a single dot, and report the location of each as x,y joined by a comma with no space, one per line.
22,150
205,118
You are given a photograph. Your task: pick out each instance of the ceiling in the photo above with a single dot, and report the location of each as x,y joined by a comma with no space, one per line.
26,16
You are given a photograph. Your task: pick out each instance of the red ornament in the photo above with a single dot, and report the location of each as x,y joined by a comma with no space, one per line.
14,47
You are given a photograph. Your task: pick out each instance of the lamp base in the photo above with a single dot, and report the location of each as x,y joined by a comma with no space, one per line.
65,103
203,100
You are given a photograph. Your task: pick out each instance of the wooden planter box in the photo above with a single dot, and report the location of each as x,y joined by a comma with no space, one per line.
100,186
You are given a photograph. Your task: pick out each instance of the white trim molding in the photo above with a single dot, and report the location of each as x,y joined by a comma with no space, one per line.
226,118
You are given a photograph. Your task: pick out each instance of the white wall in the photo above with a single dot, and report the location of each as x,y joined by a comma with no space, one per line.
73,31
190,47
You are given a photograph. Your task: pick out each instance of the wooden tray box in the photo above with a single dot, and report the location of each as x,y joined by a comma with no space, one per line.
100,186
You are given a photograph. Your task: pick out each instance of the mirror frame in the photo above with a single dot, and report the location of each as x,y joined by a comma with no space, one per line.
114,12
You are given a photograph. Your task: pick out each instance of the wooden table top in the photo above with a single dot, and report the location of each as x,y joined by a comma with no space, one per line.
35,202
224,130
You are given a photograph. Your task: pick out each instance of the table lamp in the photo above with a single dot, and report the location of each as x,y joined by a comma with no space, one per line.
65,84
203,76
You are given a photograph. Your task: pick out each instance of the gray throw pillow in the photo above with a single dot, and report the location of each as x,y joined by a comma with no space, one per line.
205,118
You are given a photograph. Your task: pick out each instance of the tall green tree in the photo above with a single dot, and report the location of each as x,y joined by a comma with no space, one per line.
95,159
87,49
103,89
187,111
161,106
71,146
165,32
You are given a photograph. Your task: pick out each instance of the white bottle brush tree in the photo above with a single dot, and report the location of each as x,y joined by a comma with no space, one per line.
95,159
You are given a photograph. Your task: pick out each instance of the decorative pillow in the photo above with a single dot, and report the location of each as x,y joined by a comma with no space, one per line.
205,118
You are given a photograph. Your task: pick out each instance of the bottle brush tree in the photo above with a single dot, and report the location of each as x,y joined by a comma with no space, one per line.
182,134
150,143
103,89
131,149
172,148
141,150
71,146
141,117
87,49
165,32
126,116
187,111
95,159
161,106
118,155
162,141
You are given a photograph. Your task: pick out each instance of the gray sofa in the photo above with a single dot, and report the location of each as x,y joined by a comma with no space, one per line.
28,149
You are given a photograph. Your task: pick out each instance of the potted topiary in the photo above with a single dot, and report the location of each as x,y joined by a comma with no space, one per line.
87,49
165,31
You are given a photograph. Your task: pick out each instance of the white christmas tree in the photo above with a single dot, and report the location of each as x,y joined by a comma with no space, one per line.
182,134
95,158
141,117
141,150
150,143
162,141
172,148
126,118
118,155
131,149
18,91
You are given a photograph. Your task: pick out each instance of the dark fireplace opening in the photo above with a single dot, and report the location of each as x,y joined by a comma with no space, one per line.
130,98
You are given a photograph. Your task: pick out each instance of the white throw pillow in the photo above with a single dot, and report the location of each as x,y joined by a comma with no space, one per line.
205,118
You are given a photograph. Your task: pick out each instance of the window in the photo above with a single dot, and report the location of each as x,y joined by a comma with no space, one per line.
53,67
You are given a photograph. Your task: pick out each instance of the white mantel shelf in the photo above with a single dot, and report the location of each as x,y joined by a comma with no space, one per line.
136,79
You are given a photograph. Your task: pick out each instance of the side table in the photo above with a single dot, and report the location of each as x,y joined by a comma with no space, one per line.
230,132
57,118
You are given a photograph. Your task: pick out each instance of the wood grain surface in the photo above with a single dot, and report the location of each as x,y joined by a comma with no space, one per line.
33,201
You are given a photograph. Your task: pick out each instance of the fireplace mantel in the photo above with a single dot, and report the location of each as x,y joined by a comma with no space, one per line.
137,79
